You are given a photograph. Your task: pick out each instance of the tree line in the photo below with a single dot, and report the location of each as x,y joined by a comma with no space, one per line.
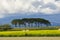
5,27
30,22
26,22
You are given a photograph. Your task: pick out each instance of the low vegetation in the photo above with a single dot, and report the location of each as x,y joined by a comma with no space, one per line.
30,33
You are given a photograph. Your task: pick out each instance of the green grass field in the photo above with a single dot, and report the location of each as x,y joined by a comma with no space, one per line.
30,33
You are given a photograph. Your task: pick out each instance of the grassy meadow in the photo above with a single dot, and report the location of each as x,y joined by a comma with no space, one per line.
29,33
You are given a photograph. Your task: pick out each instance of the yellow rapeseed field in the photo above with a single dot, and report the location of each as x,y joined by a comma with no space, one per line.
31,33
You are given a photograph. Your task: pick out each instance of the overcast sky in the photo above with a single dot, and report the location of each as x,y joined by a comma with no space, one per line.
9,7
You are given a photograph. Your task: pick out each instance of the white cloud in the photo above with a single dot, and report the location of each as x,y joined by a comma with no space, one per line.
17,6
47,1
47,10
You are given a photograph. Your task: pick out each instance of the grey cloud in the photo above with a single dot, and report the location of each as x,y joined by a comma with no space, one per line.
49,5
37,3
57,0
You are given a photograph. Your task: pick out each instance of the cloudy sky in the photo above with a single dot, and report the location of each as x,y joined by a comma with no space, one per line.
29,7
33,6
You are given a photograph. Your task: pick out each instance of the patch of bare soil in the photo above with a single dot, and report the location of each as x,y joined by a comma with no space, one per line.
29,38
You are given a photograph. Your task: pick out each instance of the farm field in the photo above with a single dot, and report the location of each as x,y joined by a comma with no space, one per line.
30,33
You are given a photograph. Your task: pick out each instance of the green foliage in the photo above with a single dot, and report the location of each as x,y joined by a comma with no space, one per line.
30,21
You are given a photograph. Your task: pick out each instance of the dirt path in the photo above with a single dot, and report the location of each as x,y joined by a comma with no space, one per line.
29,38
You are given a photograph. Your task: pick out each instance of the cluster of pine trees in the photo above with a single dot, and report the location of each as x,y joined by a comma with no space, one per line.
30,22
